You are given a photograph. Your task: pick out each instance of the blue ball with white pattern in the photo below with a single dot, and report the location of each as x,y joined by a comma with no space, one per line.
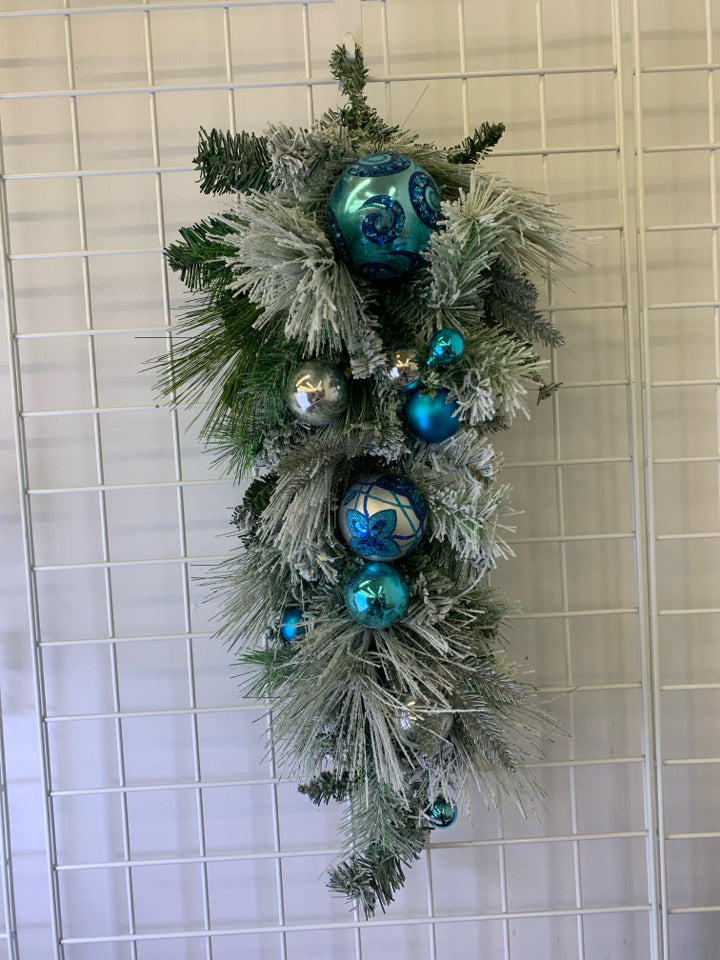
381,213
382,517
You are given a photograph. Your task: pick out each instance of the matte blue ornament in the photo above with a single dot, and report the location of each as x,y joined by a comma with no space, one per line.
382,517
381,213
292,626
442,813
431,416
377,595
446,347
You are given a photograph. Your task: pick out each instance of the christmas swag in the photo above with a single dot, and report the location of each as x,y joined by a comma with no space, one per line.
364,324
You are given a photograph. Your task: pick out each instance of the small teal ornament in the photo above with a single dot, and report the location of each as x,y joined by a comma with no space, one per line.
292,626
377,595
442,813
382,517
430,416
446,347
381,213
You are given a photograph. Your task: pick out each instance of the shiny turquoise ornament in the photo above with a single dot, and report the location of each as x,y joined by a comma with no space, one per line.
382,517
442,813
430,416
377,595
381,213
292,626
446,347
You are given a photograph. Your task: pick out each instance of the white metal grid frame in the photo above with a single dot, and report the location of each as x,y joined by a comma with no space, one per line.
8,936
579,856
690,895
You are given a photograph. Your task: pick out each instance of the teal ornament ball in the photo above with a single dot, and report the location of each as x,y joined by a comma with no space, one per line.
446,347
430,416
377,595
292,625
382,517
381,213
442,813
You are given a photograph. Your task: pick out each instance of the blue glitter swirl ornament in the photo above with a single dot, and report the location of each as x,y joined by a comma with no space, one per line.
292,626
382,517
381,213
430,416
446,347
377,595
442,813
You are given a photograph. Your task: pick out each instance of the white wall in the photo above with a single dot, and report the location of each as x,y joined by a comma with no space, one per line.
144,821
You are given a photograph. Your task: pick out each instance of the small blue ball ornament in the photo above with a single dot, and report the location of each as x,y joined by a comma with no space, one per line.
292,626
377,595
446,347
382,517
381,213
442,813
430,416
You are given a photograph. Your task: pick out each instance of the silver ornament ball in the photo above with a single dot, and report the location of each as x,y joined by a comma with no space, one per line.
419,727
318,392
403,370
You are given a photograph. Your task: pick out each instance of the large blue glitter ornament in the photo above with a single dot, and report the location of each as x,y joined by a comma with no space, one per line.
431,416
377,595
442,813
381,213
447,346
292,626
382,517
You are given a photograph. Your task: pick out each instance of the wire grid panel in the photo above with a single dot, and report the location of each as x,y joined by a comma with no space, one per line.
170,834
677,95
8,941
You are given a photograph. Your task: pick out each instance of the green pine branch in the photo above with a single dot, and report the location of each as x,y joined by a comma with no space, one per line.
350,71
546,390
237,373
372,877
201,257
385,831
511,302
478,145
327,786
229,163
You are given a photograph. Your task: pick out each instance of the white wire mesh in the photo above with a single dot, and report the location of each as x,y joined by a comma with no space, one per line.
168,832
8,938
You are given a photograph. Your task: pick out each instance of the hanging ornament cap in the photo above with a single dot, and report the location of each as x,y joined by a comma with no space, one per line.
317,392
381,213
